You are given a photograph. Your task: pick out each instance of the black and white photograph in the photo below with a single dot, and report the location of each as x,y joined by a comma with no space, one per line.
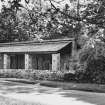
52,52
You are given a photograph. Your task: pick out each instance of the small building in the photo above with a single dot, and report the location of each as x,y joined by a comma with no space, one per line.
44,55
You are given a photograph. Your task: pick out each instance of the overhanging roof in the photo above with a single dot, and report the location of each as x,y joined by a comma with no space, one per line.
45,46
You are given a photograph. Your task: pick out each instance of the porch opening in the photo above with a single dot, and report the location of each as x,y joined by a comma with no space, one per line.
17,61
41,61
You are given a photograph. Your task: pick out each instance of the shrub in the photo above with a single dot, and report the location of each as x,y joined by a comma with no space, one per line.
79,76
94,73
69,77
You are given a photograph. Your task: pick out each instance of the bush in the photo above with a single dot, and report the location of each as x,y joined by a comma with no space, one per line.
69,77
94,73
79,76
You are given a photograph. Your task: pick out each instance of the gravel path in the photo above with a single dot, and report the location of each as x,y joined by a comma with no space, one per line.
8,101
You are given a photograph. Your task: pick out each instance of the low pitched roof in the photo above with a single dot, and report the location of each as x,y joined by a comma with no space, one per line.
44,46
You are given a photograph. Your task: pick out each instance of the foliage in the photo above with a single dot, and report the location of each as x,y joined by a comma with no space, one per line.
94,73
92,59
73,19
9,25
83,18
34,22
18,22
62,25
69,77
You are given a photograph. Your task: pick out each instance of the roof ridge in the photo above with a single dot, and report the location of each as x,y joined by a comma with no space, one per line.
38,42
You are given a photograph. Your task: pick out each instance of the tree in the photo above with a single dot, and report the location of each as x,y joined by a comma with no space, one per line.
55,21
70,19
9,24
87,17
27,23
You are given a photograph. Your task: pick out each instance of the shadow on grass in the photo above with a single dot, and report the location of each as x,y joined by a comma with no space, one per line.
90,98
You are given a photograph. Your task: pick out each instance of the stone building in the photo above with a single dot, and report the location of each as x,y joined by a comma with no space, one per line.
44,55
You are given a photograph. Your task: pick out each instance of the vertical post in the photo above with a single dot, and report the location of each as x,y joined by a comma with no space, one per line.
1,61
6,61
40,63
56,62
28,61
73,48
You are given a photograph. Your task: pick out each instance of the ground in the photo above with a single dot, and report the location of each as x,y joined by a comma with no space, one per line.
41,95
8,101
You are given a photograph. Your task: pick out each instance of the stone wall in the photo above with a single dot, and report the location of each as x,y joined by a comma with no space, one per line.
32,74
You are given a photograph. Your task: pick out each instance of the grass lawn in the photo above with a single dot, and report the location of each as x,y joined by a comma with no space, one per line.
75,86
65,85
8,101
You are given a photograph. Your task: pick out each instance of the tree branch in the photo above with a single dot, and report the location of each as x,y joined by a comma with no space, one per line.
71,17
